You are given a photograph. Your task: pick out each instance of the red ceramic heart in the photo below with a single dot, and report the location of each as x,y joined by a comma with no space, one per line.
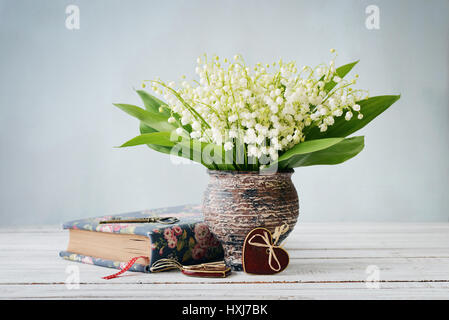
260,256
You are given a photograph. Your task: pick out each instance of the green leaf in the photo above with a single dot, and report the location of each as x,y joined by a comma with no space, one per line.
338,153
308,147
159,138
187,255
208,154
154,120
202,152
341,72
191,242
152,103
205,153
152,123
146,129
370,108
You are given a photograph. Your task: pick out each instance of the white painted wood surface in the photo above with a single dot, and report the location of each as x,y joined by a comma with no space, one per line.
328,261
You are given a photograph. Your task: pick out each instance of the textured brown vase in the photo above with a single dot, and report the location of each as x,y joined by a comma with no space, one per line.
236,202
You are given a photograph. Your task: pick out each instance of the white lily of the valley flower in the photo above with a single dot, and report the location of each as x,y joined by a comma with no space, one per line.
171,120
228,146
260,105
348,115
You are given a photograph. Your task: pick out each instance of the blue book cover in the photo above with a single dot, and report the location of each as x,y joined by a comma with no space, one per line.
188,241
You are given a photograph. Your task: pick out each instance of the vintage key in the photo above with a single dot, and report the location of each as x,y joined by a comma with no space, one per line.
163,220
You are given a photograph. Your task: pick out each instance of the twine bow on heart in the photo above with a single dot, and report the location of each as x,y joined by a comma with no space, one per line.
278,232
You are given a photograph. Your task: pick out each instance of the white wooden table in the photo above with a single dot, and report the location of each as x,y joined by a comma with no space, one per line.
328,261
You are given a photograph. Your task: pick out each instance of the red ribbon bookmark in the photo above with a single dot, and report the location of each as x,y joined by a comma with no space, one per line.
128,265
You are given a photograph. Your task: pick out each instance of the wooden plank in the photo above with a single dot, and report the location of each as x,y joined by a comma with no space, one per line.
48,268
301,228
327,261
325,241
226,291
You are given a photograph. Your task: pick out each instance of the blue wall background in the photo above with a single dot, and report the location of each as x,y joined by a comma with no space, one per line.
58,126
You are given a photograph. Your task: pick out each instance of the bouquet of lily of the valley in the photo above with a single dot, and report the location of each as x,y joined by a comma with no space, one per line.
269,116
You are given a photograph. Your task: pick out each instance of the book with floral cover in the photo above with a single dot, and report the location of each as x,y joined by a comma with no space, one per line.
188,240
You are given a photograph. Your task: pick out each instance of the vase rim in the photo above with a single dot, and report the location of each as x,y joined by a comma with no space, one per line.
256,173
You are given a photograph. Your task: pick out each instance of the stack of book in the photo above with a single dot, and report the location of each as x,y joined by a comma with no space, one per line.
177,233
